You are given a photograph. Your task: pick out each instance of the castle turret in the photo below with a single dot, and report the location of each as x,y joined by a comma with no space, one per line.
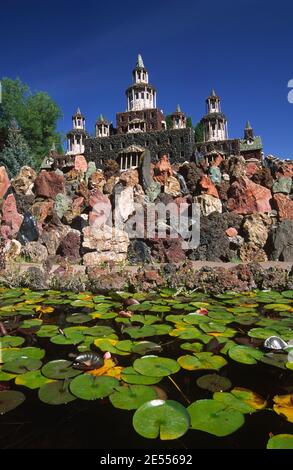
248,132
102,127
77,135
178,119
214,122
140,95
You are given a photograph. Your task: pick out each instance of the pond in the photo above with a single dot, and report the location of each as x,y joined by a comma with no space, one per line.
164,370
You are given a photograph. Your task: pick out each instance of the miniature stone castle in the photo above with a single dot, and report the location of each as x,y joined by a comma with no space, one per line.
143,126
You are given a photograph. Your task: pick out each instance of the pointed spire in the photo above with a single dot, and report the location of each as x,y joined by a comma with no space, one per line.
53,148
213,93
78,112
139,62
248,126
178,109
101,117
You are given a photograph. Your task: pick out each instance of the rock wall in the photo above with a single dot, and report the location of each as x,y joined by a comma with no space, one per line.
84,220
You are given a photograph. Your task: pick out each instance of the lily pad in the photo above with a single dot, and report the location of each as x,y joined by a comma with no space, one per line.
89,387
214,418
130,376
193,347
245,354
154,366
281,441
32,380
21,365
56,393
11,354
137,332
132,397
167,420
9,400
66,339
11,341
47,331
78,318
203,360
99,331
284,406
144,347
60,369
214,383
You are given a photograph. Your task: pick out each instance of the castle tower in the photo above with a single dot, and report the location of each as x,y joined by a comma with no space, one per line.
141,95
214,122
178,119
102,127
76,137
248,132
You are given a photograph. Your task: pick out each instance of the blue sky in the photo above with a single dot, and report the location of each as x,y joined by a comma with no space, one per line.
82,53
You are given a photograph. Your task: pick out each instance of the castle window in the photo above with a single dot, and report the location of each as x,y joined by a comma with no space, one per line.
145,115
147,143
147,95
169,140
158,142
142,95
181,140
111,147
137,95
152,115
101,147
182,154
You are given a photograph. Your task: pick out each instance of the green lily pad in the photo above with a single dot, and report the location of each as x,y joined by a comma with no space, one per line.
89,387
33,323
11,354
32,380
56,393
154,366
21,365
193,347
99,331
262,333
230,401
145,319
60,369
245,354
167,420
190,333
9,400
11,341
162,329
130,376
144,347
109,345
78,318
288,294
47,331
214,418
281,441
276,360
66,339
132,396
137,332
203,360
5,377
214,383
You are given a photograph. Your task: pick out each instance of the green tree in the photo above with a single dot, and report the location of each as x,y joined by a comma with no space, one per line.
16,153
169,121
36,113
198,132
189,122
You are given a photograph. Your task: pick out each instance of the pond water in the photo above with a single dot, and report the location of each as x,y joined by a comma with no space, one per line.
187,370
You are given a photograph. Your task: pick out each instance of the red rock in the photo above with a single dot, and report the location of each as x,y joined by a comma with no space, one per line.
130,178
49,184
163,170
167,250
231,232
251,169
77,205
97,180
70,246
284,206
80,163
4,182
101,208
10,217
246,197
208,187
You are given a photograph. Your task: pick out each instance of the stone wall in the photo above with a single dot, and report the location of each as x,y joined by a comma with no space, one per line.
179,144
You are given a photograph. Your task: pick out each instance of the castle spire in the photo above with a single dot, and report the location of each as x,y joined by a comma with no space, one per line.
248,126
178,109
139,62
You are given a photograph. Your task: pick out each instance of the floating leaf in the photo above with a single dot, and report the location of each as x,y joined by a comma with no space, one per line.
137,332
32,380
78,318
9,400
250,398
47,331
167,420
214,383
33,323
193,347
56,393
262,333
11,354
130,376
21,365
59,369
232,402
214,418
72,338
11,341
284,406
276,360
5,377
43,309
98,331
154,366
281,441
144,347
88,387
203,360
132,397
109,345
245,354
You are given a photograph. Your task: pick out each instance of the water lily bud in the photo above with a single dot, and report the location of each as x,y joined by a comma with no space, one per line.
107,355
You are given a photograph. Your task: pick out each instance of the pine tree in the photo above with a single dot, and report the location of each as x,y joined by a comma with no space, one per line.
16,153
